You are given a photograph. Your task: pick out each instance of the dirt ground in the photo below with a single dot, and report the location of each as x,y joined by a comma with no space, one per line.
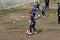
47,28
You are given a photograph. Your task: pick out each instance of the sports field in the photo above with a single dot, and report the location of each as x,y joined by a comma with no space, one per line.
15,21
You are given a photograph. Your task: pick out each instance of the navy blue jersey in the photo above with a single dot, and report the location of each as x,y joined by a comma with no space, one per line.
47,1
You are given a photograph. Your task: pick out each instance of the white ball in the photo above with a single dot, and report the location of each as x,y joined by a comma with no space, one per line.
14,22
17,19
38,15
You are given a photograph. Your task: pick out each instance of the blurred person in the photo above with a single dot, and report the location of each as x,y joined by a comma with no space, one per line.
34,10
37,6
58,13
32,23
43,10
47,4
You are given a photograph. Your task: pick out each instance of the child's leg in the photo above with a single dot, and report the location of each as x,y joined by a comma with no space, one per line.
48,5
30,28
34,26
59,19
43,13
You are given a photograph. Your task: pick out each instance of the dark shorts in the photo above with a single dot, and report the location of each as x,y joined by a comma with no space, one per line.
47,4
34,14
59,19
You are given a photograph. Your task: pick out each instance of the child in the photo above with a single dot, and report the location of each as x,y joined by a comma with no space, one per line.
43,10
32,24
34,10
37,6
58,13
47,3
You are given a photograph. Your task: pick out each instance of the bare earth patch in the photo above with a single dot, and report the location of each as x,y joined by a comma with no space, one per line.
2,27
49,26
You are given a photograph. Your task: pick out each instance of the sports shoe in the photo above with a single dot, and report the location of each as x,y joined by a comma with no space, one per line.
44,16
35,32
29,33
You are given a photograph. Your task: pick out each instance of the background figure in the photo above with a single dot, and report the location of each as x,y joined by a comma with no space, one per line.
37,6
58,13
32,24
47,4
43,10
34,10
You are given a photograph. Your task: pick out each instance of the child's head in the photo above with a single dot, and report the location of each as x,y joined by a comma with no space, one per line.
34,5
58,3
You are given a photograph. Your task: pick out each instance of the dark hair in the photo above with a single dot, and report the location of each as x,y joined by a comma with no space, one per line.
58,3
34,6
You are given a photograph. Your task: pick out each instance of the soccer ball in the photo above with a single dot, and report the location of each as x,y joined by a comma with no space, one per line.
38,15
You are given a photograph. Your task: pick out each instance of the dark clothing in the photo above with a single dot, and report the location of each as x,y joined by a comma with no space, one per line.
59,13
47,4
43,10
58,19
34,14
47,1
34,10
58,6
32,24
32,18
37,6
43,13
58,16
